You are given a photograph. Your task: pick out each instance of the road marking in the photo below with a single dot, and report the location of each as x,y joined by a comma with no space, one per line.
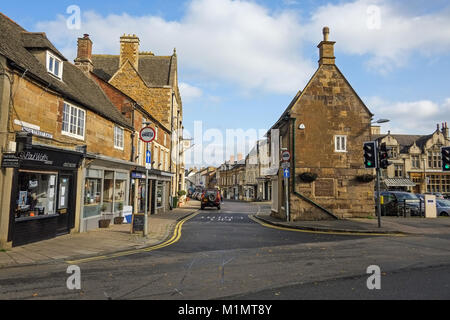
323,232
175,238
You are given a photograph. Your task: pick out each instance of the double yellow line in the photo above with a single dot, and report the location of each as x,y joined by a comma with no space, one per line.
175,238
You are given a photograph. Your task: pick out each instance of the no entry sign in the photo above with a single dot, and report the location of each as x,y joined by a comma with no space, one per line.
147,134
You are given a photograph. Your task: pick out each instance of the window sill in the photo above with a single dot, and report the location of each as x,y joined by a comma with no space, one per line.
71,135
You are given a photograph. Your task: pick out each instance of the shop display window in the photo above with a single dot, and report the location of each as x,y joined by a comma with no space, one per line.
159,194
37,194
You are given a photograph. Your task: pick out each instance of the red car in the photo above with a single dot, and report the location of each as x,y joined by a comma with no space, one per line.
210,198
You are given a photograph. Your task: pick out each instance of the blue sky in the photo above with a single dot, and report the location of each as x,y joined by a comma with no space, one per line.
242,62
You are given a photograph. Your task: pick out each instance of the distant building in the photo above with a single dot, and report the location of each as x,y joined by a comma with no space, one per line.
416,162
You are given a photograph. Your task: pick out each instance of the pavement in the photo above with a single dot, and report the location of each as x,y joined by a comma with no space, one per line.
389,225
97,242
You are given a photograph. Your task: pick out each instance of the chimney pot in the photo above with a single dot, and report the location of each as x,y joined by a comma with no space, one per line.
326,33
326,49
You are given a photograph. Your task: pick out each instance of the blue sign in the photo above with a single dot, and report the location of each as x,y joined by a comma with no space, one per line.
148,157
287,173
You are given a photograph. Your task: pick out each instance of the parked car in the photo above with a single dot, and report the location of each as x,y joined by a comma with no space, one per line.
443,208
394,203
438,195
210,198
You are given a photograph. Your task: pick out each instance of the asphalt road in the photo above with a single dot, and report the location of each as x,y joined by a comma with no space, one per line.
222,254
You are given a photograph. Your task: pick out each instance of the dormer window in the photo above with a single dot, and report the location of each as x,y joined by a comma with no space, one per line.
54,65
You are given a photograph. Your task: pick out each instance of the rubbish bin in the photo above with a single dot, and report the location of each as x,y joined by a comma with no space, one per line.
175,202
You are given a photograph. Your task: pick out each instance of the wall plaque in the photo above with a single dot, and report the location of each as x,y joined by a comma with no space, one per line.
324,188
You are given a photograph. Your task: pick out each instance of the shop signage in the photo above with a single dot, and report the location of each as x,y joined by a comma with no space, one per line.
10,160
49,157
138,222
137,175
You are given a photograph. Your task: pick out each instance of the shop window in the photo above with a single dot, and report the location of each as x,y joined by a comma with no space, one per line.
92,197
73,121
119,193
37,194
108,189
159,194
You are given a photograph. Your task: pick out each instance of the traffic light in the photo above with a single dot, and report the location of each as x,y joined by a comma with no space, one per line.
384,156
370,155
445,158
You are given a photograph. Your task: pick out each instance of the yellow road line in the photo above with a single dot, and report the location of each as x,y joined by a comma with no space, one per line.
175,238
324,232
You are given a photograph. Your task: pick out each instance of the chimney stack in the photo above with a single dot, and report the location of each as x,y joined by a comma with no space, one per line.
239,158
231,159
129,50
84,55
326,49
445,131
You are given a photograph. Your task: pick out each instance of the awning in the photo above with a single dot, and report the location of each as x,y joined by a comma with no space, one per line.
398,183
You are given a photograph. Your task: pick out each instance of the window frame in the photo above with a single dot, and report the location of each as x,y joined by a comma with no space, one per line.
339,137
69,122
60,67
122,131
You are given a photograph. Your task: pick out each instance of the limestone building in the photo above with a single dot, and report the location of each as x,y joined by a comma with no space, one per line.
152,81
324,128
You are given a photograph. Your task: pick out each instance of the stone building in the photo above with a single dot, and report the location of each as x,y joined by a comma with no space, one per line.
55,122
152,81
324,128
158,176
416,162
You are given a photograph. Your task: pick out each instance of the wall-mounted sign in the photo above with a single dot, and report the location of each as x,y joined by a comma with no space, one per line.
38,132
10,160
147,134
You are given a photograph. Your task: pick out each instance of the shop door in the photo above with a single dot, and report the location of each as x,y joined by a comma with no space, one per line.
65,205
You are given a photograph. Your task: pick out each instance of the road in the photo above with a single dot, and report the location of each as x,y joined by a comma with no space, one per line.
223,254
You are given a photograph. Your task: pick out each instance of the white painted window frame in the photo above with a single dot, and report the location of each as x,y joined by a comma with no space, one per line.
52,71
336,143
68,133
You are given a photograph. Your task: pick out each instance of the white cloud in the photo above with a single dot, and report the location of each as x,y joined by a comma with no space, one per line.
237,41
418,117
189,92
383,31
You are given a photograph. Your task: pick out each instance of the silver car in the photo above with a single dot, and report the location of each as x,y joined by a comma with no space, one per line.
443,208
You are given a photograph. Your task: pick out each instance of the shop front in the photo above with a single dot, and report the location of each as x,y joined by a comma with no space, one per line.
105,192
43,197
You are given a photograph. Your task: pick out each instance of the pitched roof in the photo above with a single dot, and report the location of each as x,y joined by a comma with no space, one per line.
76,86
155,70
38,40
406,140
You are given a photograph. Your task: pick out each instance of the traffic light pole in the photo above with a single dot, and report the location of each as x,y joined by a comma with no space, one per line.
378,197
